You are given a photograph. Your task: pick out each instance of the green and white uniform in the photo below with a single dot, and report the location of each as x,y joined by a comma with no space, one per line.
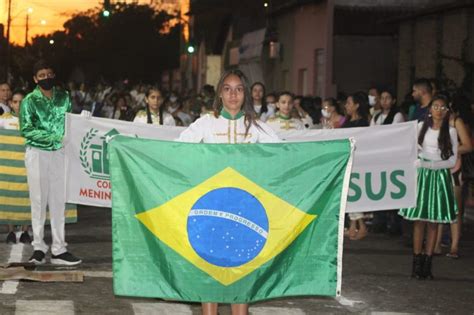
227,129
141,117
281,122
435,200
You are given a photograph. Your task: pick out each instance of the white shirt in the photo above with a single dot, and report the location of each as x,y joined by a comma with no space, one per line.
185,118
398,118
278,123
141,117
271,110
8,121
209,129
257,108
430,150
307,120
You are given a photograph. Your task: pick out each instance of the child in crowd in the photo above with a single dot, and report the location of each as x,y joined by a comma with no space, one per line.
283,119
154,113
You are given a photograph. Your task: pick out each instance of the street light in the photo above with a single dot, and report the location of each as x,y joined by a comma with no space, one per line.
51,41
191,49
43,22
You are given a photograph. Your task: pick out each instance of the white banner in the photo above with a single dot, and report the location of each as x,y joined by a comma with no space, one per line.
383,173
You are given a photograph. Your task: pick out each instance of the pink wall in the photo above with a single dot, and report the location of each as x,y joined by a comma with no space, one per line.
313,30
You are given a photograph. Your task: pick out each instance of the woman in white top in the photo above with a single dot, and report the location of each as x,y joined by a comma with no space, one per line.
389,113
435,197
233,121
154,112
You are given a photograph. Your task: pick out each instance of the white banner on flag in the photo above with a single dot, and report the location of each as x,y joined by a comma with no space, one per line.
383,173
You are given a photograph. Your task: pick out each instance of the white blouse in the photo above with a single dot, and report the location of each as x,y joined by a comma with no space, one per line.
142,117
398,118
209,129
430,150
9,121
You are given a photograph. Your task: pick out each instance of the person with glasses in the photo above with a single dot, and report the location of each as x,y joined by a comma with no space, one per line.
233,121
42,119
435,202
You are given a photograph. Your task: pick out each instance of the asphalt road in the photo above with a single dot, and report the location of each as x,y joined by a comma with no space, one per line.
375,280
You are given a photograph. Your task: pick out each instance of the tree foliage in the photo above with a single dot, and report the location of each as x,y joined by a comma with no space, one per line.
126,45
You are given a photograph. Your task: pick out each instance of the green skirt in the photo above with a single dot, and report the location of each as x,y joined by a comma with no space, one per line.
435,200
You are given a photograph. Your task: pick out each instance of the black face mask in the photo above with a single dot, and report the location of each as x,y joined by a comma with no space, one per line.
46,84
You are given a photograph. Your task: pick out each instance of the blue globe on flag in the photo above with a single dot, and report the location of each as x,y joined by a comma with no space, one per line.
227,227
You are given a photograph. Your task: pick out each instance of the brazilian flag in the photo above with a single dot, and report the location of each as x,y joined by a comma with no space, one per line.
227,223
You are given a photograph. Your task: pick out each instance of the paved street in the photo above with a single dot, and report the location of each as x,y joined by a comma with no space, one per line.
375,281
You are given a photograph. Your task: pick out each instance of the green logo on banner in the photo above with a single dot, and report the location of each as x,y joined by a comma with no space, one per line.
93,153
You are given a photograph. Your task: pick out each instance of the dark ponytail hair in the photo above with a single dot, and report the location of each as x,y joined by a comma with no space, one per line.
264,100
444,138
149,120
362,99
393,110
247,107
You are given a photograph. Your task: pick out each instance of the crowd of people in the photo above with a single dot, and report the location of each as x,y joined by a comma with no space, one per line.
445,123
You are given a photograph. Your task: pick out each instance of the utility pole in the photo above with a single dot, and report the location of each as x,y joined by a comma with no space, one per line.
26,28
9,20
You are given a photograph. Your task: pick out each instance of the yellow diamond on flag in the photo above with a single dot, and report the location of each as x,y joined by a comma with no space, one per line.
227,226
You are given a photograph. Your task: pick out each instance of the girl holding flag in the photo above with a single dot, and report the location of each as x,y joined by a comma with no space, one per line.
435,199
233,120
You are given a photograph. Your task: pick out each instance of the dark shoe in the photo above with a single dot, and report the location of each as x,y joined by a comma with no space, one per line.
25,238
11,238
427,264
66,259
37,258
417,269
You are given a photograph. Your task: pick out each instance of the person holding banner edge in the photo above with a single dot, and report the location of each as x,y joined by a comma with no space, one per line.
435,198
234,121
42,119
